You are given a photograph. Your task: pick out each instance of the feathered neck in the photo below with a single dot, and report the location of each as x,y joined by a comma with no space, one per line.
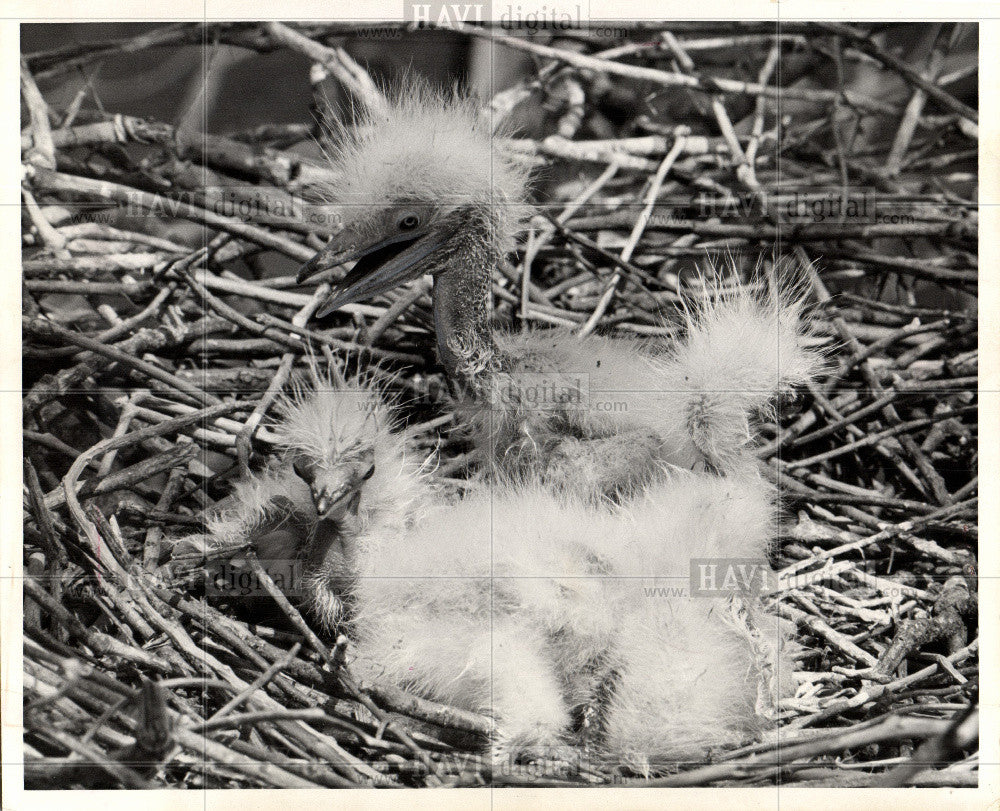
463,297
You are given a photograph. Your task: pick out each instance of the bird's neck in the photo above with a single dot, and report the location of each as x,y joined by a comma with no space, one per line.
463,301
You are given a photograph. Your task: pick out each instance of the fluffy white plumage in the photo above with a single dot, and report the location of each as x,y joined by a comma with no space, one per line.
537,598
532,603
528,605
688,403
432,145
336,429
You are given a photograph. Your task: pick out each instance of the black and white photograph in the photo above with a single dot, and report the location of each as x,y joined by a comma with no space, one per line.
508,404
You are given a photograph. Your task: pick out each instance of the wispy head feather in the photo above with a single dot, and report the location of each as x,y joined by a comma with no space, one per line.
429,145
332,416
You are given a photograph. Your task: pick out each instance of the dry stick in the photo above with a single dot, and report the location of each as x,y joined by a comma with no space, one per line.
84,771
526,283
261,681
123,602
964,230
664,78
207,750
890,729
543,238
240,320
154,535
277,168
861,354
394,699
760,110
636,274
334,343
183,642
889,531
137,199
126,325
124,421
71,58
50,330
94,265
336,60
43,152
336,671
127,477
55,553
219,439
53,443
946,622
556,146
821,628
131,288
224,424
873,439
90,534
51,386
100,643
406,297
962,733
280,378
242,287
788,438
883,448
862,495
864,43
744,171
99,234
623,151
893,393
911,116
253,718
872,691
934,479
50,236
74,107
633,240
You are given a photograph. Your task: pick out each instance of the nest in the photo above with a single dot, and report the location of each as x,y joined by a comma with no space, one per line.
153,360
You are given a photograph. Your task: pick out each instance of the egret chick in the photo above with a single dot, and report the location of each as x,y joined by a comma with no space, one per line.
426,188
533,606
301,513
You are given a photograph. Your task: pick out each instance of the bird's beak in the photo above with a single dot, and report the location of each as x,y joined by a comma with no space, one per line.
379,267
338,502
334,501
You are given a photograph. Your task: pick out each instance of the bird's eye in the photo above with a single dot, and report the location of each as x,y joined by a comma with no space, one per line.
409,222
302,470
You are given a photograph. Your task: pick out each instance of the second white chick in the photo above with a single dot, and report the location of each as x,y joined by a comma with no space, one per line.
688,402
342,470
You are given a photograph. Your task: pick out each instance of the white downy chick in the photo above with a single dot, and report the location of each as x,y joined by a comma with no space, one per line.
427,187
528,605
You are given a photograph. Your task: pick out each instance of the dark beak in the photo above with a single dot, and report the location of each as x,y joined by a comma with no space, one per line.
379,267
337,501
